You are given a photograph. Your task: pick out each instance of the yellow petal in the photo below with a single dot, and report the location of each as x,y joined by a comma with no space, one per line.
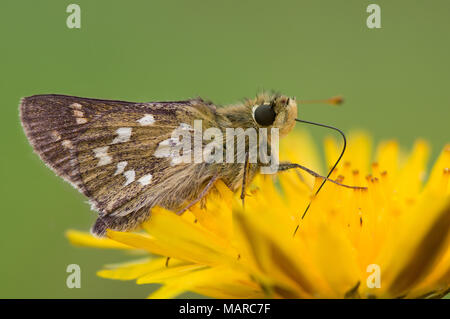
200,280
410,258
438,279
276,253
217,216
186,240
439,177
168,273
79,238
357,154
336,259
388,157
412,174
137,269
139,241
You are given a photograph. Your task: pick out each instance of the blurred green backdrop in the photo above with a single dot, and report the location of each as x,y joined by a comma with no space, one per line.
395,81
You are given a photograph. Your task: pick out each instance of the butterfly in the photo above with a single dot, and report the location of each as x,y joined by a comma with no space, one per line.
124,157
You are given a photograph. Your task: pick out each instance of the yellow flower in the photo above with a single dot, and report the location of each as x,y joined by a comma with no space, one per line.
389,241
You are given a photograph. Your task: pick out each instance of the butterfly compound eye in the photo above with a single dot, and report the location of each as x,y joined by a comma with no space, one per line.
264,115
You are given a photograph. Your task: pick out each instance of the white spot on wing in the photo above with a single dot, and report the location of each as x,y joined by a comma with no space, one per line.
185,126
67,144
145,180
78,113
120,167
76,106
176,160
81,120
56,135
171,147
130,176
165,148
102,154
123,135
148,119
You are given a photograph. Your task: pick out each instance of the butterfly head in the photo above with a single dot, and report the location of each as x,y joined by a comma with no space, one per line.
275,111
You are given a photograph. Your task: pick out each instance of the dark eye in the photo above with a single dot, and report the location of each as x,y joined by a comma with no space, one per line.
264,115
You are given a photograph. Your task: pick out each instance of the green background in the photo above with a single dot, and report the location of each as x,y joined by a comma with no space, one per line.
395,81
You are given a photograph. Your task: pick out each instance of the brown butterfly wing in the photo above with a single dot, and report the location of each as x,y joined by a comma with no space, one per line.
106,150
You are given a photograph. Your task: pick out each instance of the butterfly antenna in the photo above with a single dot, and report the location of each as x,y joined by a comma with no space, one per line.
335,100
331,170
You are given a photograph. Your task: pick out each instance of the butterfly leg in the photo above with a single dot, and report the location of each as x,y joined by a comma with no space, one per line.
286,166
202,194
244,179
